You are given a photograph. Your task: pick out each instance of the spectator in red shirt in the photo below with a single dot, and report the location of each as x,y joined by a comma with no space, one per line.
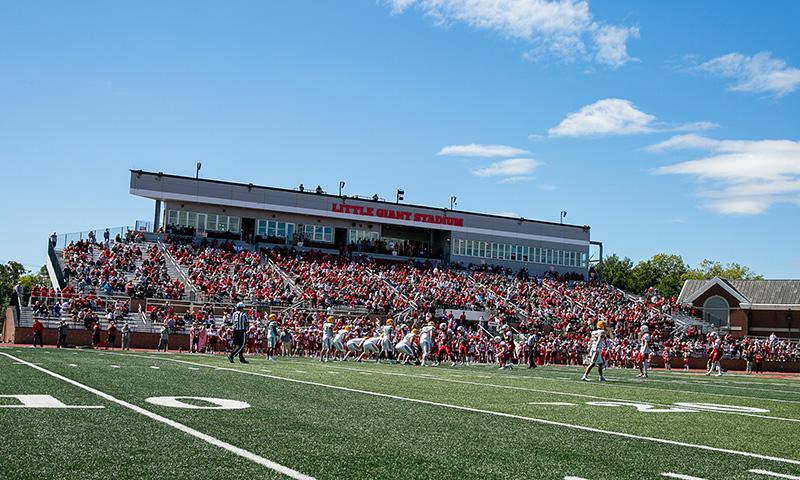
38,329
112,335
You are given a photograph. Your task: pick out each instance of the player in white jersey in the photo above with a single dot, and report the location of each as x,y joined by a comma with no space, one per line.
716,354
387,336
598,345
426,341
371,345
272,336
339,340
327,339
405,347
644,351
353,347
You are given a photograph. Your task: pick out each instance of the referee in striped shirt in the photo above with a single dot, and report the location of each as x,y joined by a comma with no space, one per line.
241,323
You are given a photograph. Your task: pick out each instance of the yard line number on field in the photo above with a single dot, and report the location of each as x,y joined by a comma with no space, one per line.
489,412
172,423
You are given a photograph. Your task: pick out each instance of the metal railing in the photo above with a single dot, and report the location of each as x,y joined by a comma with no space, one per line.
195,292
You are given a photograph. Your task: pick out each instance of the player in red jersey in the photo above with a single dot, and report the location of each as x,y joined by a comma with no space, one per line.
716,354
686,360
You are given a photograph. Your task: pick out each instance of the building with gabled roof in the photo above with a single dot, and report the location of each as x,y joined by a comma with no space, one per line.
747,307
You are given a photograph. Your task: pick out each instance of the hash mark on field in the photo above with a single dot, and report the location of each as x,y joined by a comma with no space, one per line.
330,372
365,373
773,474
680,476
72,365
193,368
114,366
297,371
154,367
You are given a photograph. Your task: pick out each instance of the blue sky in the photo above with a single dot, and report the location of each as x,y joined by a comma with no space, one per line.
666,126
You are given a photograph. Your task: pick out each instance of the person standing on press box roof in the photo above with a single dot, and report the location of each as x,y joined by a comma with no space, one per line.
241,323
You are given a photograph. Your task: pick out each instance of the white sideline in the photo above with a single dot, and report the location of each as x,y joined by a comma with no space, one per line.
488,412
172,423
554,392
758,471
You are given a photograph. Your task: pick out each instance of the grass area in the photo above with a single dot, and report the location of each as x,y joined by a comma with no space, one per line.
345,420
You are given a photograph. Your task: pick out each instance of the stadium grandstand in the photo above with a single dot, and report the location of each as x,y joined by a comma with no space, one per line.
307,255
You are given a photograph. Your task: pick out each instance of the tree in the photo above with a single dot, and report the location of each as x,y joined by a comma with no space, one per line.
666,272
616,271
731,271
29,279
9,276
662,271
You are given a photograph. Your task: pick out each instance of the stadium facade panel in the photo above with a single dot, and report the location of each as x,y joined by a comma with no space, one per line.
308,219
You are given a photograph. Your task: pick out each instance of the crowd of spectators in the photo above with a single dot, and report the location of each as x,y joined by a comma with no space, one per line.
561,309
224,272
119,267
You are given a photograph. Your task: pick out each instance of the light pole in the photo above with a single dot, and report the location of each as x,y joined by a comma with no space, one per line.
341,186
197,171
453,201
563,214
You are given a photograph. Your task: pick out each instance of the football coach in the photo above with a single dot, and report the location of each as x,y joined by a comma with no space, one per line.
241,323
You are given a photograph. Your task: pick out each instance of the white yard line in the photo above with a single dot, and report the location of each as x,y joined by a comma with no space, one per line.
554,392
628,384
493,413
700,377
176,425
715,384
773,474
680,476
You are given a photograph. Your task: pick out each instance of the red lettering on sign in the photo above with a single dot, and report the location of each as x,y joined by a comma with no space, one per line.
397,214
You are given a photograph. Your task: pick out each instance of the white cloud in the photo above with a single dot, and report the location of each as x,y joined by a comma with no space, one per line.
512,167
739,176
616,116
518,179
558,28
684,142
477,150
612,43
760,73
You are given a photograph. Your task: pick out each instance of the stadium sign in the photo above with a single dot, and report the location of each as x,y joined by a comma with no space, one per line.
396,214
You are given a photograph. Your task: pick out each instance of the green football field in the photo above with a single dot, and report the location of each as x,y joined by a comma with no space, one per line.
107,415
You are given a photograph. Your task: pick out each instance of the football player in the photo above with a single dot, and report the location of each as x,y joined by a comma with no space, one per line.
327,339
644,351
272,335
387,335
426,341
598,345
716,354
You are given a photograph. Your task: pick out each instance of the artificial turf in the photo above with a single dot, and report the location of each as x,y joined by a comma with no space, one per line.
370,427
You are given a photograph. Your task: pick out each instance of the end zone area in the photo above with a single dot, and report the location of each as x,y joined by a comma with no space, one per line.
347,420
